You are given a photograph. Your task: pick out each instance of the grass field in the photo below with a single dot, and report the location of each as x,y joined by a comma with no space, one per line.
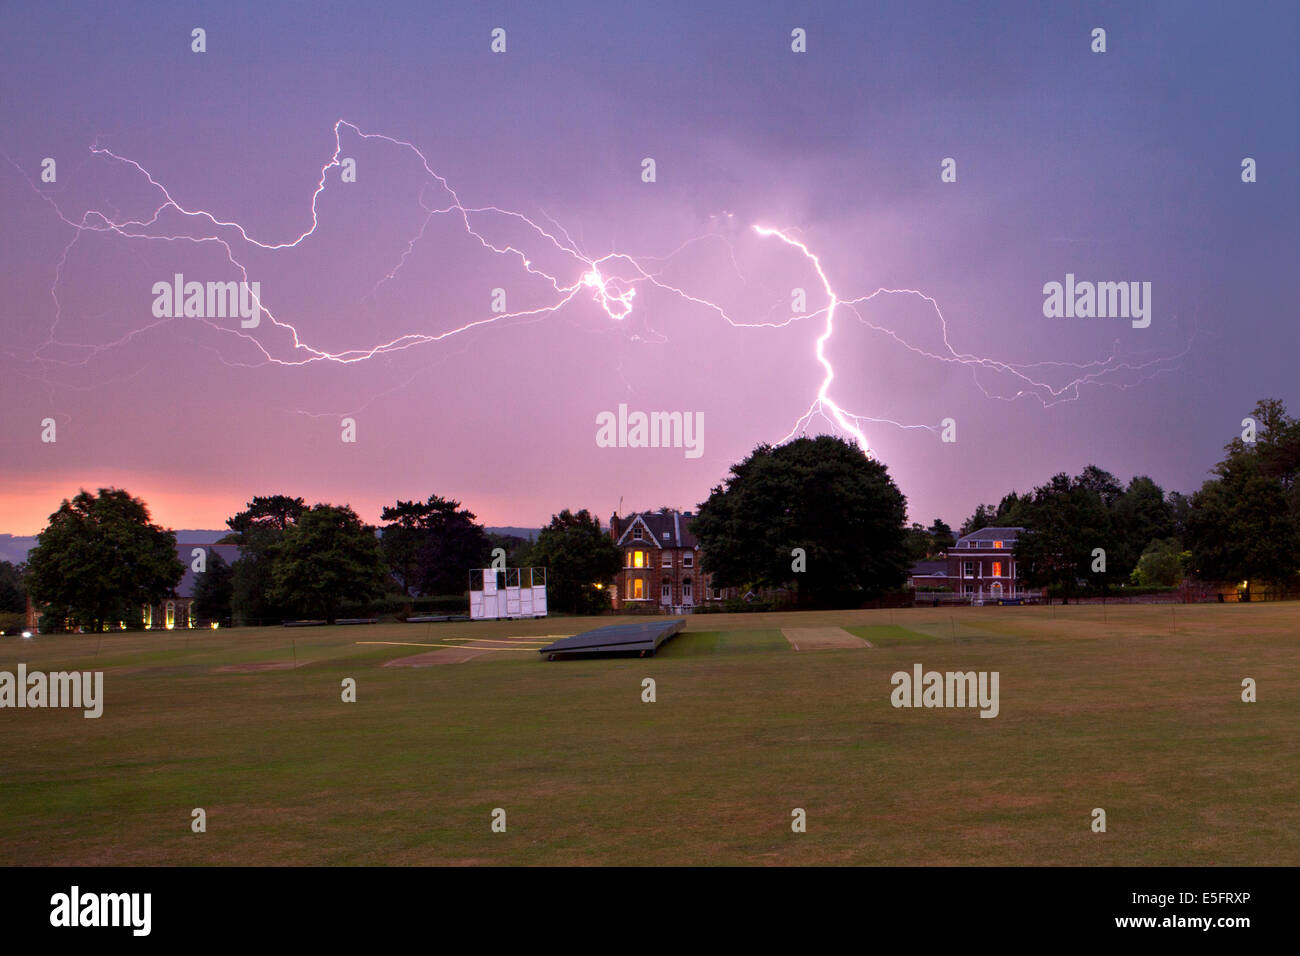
1136,710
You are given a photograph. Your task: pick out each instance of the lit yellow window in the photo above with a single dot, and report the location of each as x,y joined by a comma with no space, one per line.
638,559
997,568
997,544
638,587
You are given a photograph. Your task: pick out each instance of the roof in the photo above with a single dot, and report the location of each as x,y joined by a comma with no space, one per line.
670,529
185,551
929,569
991,534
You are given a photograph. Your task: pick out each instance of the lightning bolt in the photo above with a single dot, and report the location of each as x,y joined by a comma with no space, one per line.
610,281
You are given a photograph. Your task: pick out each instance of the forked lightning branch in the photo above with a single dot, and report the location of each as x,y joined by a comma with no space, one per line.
235,307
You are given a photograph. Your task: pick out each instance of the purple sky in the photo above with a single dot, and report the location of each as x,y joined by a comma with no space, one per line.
1122,166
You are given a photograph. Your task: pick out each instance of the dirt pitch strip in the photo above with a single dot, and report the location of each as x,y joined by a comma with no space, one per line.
822,638
255,667
460,653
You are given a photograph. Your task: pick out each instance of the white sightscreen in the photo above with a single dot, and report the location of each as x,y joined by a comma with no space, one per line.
507,593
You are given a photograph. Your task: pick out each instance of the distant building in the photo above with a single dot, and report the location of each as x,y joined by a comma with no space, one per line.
982,565
661,565
175,612
929,576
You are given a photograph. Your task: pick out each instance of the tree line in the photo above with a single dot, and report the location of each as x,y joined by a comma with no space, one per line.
814,516
818,519
101,559
1241,527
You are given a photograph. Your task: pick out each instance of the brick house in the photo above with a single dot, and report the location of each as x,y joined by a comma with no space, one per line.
661,565
982,565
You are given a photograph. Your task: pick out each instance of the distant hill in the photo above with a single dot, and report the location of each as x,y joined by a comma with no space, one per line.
15,547
529,533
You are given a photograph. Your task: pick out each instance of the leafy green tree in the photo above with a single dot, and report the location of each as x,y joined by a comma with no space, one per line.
923,543
983,517
1068,519
1009,512
214,589
1139,516
918,542
13,592
431,546
577,556
819,494
1101,483
1275,453
101,559
1065,521
1012,510
326,558
1161,565
1240,528
1180,506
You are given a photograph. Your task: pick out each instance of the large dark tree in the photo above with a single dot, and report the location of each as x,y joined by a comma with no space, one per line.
822,495
258,529
326,558
578,556
101,559
266,513
1245,524
431,546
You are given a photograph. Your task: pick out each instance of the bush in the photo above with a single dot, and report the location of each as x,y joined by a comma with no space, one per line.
12,622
